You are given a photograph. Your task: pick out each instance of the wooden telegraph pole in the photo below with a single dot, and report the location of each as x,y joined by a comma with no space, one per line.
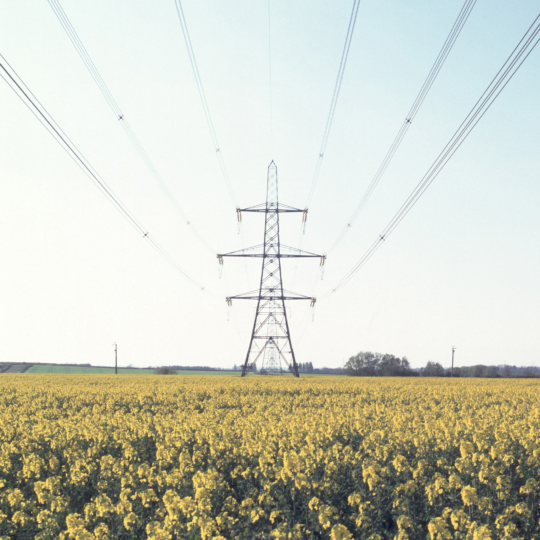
452,372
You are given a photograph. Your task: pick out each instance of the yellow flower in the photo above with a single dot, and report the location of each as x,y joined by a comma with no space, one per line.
130,521
326,515
404,522
101,532
482,533
468,494
466,448
340,532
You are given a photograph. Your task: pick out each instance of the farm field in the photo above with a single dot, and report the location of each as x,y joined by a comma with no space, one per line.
85,370
268,457
16,368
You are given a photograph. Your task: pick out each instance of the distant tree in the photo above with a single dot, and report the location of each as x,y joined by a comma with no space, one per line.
368,364
506,371
491,372
528,373
457,372
164,370
478,371
364,364
433,369
392,366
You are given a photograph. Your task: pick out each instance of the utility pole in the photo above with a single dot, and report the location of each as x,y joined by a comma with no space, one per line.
452,372
115,359
270,338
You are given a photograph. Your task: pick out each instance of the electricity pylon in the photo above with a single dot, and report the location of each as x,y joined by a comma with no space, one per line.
270,341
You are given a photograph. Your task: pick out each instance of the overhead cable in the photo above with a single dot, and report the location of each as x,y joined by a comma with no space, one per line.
510,67
335,96
38,110
113,104
202,96
430,79
329,120
209,122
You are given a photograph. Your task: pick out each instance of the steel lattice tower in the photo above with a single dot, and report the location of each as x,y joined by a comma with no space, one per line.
270,341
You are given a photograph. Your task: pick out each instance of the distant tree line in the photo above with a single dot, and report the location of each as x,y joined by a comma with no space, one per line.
369,364
434,369
519,371
305,367
239,368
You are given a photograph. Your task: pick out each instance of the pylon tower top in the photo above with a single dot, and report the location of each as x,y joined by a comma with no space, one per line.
270,346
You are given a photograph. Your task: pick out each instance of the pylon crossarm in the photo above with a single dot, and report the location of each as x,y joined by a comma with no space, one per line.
276,255
296,295
240,252
272,336
244,295
273,207
300,252
265,297
290,253
274,293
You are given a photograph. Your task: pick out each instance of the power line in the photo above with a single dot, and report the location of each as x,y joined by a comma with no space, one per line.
335,96
209,122
22,91
104,89
510,67
329,120
424,90
202,96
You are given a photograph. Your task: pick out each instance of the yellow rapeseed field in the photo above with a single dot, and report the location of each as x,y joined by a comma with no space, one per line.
259,458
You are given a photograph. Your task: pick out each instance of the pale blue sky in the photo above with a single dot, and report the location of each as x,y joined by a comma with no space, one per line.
462,269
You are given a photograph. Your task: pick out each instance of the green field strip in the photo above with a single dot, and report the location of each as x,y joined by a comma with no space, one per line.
85,370
17,368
